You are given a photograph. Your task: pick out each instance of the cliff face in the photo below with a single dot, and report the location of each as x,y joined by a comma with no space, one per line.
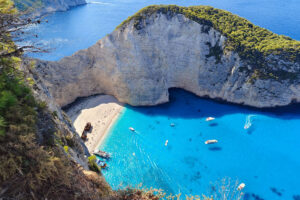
42,7
61,5
140,61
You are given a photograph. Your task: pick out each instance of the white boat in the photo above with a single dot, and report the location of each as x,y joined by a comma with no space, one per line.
132,129
211,141
102,154
101,163
249,121
209,119
247,126
166,143
241,186
172,124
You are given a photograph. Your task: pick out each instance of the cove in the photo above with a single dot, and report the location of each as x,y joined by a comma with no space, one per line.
264,156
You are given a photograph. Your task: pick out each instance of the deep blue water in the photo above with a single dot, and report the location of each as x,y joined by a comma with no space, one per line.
266,156
81,27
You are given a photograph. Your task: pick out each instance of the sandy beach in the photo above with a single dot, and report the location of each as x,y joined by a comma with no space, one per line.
101,111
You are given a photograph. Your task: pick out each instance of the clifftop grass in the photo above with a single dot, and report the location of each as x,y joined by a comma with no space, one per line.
247,39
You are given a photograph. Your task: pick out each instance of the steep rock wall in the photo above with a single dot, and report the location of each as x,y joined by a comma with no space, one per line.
42,7
139,65
61,5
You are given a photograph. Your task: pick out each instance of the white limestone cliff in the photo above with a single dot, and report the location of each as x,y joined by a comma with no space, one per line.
138,66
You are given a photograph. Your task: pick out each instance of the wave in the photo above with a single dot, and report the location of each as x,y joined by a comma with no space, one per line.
99,2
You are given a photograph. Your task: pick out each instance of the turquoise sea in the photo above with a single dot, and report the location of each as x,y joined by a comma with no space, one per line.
266,156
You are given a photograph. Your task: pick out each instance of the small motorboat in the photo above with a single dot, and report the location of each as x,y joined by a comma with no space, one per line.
172,124
101,163
104,166
249,121
246,126
166,143
241,186
132,129
209,119
102,154
211,141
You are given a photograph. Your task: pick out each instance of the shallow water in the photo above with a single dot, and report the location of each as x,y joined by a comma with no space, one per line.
265,156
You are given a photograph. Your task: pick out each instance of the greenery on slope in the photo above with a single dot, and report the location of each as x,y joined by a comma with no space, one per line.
243,36
251,42
33,161
34,153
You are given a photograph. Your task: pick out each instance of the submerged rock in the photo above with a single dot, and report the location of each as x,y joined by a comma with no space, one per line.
161,48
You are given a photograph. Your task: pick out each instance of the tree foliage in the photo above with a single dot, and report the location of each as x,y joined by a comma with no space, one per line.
13,25
249,40
31,168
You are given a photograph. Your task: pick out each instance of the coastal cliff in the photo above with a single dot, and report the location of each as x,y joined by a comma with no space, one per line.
207,51
41,7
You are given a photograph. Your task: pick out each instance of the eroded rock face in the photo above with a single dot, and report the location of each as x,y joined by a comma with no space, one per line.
49,6
138,66
61,5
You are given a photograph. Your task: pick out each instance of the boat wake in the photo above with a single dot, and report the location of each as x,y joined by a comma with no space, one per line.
157,173
249,121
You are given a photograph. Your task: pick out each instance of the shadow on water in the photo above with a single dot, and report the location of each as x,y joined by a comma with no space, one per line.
197,107
215,148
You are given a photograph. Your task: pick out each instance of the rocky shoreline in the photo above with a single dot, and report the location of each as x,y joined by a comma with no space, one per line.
38,9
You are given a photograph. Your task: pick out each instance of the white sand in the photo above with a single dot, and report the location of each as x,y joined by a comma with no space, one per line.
101,111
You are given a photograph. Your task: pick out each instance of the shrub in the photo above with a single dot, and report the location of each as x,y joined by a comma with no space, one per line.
93,165
42,105
66,148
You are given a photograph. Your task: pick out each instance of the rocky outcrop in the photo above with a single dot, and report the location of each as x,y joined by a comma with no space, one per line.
138,64
60,5
54,120
43,7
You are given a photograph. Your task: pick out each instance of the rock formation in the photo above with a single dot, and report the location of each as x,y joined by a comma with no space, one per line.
42,7
158,50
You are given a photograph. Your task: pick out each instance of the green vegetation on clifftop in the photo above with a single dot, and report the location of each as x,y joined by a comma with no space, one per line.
250,41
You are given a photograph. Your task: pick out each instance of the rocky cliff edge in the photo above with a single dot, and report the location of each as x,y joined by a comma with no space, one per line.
164,47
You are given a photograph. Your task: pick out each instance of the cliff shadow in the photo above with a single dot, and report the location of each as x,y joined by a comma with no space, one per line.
75,108
185,104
